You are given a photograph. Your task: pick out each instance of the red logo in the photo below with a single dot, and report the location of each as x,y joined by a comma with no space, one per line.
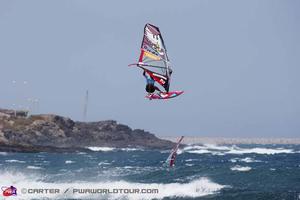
9,191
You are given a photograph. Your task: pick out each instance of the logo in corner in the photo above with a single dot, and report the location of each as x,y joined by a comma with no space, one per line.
9,191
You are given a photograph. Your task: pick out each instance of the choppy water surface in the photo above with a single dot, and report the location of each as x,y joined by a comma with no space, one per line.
201,172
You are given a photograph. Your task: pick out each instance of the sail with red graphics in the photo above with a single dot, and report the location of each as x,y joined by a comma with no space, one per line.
153,56
153,59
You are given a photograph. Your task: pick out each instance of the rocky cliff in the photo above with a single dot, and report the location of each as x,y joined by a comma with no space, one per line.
56,133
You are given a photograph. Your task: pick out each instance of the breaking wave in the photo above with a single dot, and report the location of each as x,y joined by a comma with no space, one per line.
222,150
101,148
260,151
196,188
106,149
131,149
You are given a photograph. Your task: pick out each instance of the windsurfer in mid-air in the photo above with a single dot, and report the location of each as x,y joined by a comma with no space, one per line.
154,62
150,87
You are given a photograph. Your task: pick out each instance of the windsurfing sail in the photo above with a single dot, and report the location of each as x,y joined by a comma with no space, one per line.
153,57
171,159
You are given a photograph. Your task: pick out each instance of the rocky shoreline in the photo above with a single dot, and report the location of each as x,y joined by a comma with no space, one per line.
53,133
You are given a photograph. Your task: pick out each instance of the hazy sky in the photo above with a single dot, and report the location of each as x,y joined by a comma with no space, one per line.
238,62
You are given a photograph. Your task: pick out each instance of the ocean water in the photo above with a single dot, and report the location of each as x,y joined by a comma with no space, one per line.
202,172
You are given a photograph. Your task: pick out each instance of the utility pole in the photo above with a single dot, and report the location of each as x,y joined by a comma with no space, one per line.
85,105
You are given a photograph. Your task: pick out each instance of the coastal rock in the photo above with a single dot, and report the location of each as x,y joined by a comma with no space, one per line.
52,132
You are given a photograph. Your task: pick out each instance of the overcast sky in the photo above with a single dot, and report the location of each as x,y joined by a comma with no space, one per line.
238,62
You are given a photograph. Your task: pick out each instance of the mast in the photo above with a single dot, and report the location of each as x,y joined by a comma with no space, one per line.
167,68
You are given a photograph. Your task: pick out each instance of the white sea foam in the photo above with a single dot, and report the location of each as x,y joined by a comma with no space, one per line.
179,151
81,153
246,160
165,151
113,149
217,153
208,148
128,167
103,163
259,151
190,160
193,189
189,165
193,147
69,161
216,147
15,161
200,151
240,168
249,160
33,167
131,149
101,148
3,153
222,150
